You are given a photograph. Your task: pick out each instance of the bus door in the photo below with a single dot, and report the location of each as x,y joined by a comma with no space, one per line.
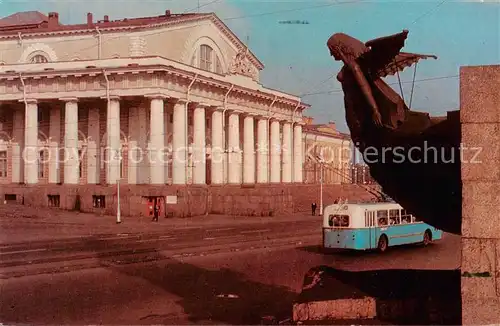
370,224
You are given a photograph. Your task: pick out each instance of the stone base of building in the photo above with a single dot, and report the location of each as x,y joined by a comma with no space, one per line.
182,201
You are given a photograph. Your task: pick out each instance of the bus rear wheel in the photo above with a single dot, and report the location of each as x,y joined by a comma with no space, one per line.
382,244
427,238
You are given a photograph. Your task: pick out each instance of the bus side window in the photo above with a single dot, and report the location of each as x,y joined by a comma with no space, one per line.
382,217
405,217
394,216
369,221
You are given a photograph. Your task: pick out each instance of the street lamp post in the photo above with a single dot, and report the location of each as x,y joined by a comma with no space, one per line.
321,188
118,212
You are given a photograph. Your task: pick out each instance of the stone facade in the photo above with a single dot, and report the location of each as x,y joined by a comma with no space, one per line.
324,141
169,107
181,201
480,120
126,107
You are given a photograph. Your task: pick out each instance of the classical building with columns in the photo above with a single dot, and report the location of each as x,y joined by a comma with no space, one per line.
327,153
173,99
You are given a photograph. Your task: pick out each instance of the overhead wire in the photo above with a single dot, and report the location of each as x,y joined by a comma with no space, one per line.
123,35
433,9
241,17
339,90
201,6
127,35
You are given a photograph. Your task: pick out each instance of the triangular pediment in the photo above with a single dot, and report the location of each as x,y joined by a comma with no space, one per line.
235,40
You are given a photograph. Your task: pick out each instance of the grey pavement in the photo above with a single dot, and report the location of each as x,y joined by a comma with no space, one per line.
199,270
21,223
229,287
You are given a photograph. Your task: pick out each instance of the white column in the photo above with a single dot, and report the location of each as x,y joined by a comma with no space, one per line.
262,151
166,139
287,153
134,153
275,149
157,140
141,135
93,146
234,164
179,143
18,146
297,154
31,155
217,156
71,159
199,146
248,150
54,144
113,140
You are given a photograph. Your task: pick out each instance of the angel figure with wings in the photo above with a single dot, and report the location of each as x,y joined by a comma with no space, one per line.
369,101
429,187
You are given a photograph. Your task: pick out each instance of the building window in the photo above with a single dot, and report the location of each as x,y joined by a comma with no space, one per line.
39,58
43,115
54,200
121,168
99,201
206,58
3,164
206,53
80,164
41,164
10,197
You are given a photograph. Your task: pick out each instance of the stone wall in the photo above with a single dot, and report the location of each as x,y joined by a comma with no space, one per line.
265,200
480,120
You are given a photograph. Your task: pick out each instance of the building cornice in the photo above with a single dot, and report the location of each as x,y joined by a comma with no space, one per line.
149,65
340,136
84,29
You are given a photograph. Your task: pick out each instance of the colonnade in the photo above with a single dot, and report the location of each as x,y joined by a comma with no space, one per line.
271,149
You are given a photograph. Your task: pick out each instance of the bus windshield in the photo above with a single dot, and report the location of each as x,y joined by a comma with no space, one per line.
338,220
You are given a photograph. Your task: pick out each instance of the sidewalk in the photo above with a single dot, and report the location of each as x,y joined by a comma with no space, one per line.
21,223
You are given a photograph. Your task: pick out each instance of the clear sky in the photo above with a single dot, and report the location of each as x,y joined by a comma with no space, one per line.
295,55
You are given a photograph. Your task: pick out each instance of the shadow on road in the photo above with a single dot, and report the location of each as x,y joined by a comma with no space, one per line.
222,296
318,249
425,297
225,296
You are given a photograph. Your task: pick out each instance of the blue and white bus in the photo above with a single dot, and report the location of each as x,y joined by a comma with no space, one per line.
373,226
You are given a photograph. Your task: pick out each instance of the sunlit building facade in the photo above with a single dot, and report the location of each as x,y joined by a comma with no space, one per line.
173,99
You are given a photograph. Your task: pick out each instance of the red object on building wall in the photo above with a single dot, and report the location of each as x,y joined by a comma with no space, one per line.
150,207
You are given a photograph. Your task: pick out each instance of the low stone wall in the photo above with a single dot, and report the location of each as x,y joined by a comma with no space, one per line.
480,119
258,200
398,297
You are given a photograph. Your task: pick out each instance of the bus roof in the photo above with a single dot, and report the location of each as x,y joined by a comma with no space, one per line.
387,205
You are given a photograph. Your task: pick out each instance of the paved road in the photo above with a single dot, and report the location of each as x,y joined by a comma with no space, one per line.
237,274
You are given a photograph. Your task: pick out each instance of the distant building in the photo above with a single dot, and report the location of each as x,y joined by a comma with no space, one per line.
360,174
324,143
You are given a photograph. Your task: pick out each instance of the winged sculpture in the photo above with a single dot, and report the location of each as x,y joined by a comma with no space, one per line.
414,157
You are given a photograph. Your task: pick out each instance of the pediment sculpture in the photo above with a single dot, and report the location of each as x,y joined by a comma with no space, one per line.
241,65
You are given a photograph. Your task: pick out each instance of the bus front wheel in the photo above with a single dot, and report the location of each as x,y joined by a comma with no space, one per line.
427,238
383,243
